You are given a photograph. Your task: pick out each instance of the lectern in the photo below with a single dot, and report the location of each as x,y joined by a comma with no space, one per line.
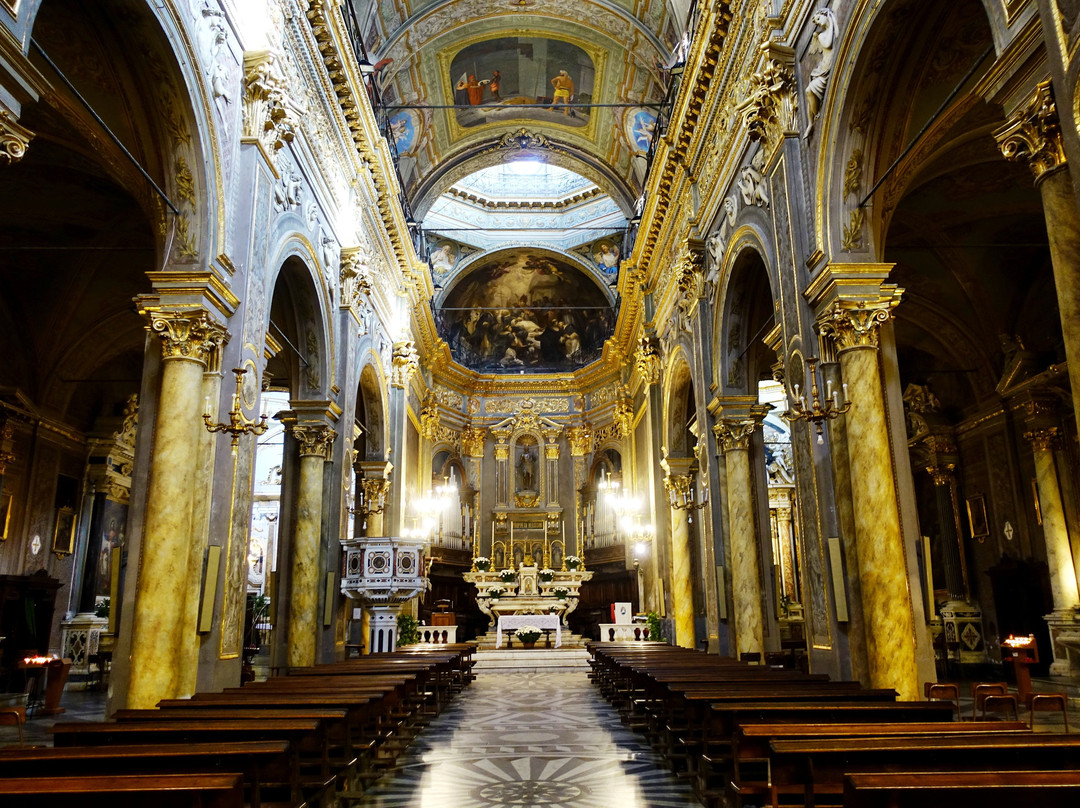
1021,652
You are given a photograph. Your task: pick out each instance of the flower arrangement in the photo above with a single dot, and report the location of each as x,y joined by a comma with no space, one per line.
561,592
573,562
528,634
495,592
508,576
546,575
483,563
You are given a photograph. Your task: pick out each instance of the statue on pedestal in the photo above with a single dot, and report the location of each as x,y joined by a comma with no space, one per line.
526,469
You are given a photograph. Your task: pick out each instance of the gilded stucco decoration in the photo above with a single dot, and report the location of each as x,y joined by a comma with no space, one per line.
355,275
1033,134
314,439
268,115
649,360
13,139
855,323
405,361
580,438
769,111
472,441
429,417
191,334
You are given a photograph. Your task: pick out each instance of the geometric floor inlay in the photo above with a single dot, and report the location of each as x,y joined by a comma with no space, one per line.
529,739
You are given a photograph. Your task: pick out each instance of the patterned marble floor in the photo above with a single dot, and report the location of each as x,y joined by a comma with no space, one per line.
529,739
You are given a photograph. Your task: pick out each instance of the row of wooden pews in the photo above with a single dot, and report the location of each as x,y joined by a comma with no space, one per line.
315,737
749,735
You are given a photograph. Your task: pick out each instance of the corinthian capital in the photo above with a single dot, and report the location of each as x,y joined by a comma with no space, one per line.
1044,440
1033,134
13,139
405,362
266,107
769,111
315,439
855,323
649,362
355,274
190,335
429,417
733,434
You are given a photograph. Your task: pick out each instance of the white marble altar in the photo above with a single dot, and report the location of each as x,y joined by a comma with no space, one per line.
512,622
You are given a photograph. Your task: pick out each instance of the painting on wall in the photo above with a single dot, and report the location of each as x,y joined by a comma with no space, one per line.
492,78
640,128
525,310
404,126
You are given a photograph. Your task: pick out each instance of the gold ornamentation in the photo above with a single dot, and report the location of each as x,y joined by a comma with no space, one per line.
649,358
733,434
624,412
13,139
770,109
472,441
429,417
853,173
1033,134
185,182
502,451
188,334
854,323
355,274
405,362
853,230
1044,440
266,112
373,494
315,439
680,488
605,433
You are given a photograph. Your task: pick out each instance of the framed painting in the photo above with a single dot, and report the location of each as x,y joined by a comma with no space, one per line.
977,522
64,537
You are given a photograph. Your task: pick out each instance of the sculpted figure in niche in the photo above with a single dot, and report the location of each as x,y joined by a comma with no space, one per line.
526,468
824,38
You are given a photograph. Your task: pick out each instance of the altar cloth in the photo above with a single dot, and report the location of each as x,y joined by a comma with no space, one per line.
512,622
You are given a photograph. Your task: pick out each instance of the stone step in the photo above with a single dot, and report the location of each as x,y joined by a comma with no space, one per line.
569,640
531,660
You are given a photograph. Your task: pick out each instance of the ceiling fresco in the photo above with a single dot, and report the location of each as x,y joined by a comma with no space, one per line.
457,75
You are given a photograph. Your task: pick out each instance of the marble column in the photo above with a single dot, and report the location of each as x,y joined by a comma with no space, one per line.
1033,136
187,340
680,483
405,364
853,324
314,440
733,436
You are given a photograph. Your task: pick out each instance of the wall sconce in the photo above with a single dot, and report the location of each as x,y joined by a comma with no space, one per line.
237,424
818,411
682,492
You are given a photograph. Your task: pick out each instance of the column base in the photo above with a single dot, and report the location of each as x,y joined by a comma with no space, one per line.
964,640
1064,641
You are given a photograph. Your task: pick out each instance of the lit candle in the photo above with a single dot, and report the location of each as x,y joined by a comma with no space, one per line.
206,406
828,389
846,399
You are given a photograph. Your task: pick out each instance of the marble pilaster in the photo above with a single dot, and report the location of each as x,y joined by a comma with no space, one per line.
314,440
733,434
852,323
188,338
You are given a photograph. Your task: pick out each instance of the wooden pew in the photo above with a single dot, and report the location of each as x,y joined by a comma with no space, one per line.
267,767
125,791
984,789
815,768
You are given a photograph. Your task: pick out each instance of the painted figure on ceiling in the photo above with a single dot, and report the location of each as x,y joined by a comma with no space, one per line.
493,85
564,90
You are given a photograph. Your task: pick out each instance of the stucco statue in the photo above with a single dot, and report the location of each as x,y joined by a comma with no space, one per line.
824,38
527,468
752,181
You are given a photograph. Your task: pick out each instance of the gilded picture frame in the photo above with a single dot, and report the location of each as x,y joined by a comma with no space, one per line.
64,536
977,521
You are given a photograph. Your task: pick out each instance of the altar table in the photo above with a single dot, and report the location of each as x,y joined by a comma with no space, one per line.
512,622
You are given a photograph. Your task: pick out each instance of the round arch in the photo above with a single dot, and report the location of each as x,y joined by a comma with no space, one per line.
743,310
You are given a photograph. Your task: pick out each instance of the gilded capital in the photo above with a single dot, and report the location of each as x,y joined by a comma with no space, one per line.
373,492
266,107
733,434
472,441
315,439
580,438
855,323
941,475
771,107
624,412
1044,440
405,362
429,417
355,274
649,358
13,139
1033,134
690,273
190,335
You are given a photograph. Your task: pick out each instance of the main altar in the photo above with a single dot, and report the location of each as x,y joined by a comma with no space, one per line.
529,589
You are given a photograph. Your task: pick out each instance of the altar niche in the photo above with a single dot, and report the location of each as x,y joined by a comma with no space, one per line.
526,485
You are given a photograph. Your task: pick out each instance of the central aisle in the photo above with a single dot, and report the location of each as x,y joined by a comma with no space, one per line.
529,739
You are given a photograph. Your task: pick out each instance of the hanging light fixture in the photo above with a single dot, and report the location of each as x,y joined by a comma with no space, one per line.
818,410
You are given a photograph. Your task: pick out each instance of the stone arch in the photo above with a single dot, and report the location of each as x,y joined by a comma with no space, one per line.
860,134
744,304
371,405
296,321
678,402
